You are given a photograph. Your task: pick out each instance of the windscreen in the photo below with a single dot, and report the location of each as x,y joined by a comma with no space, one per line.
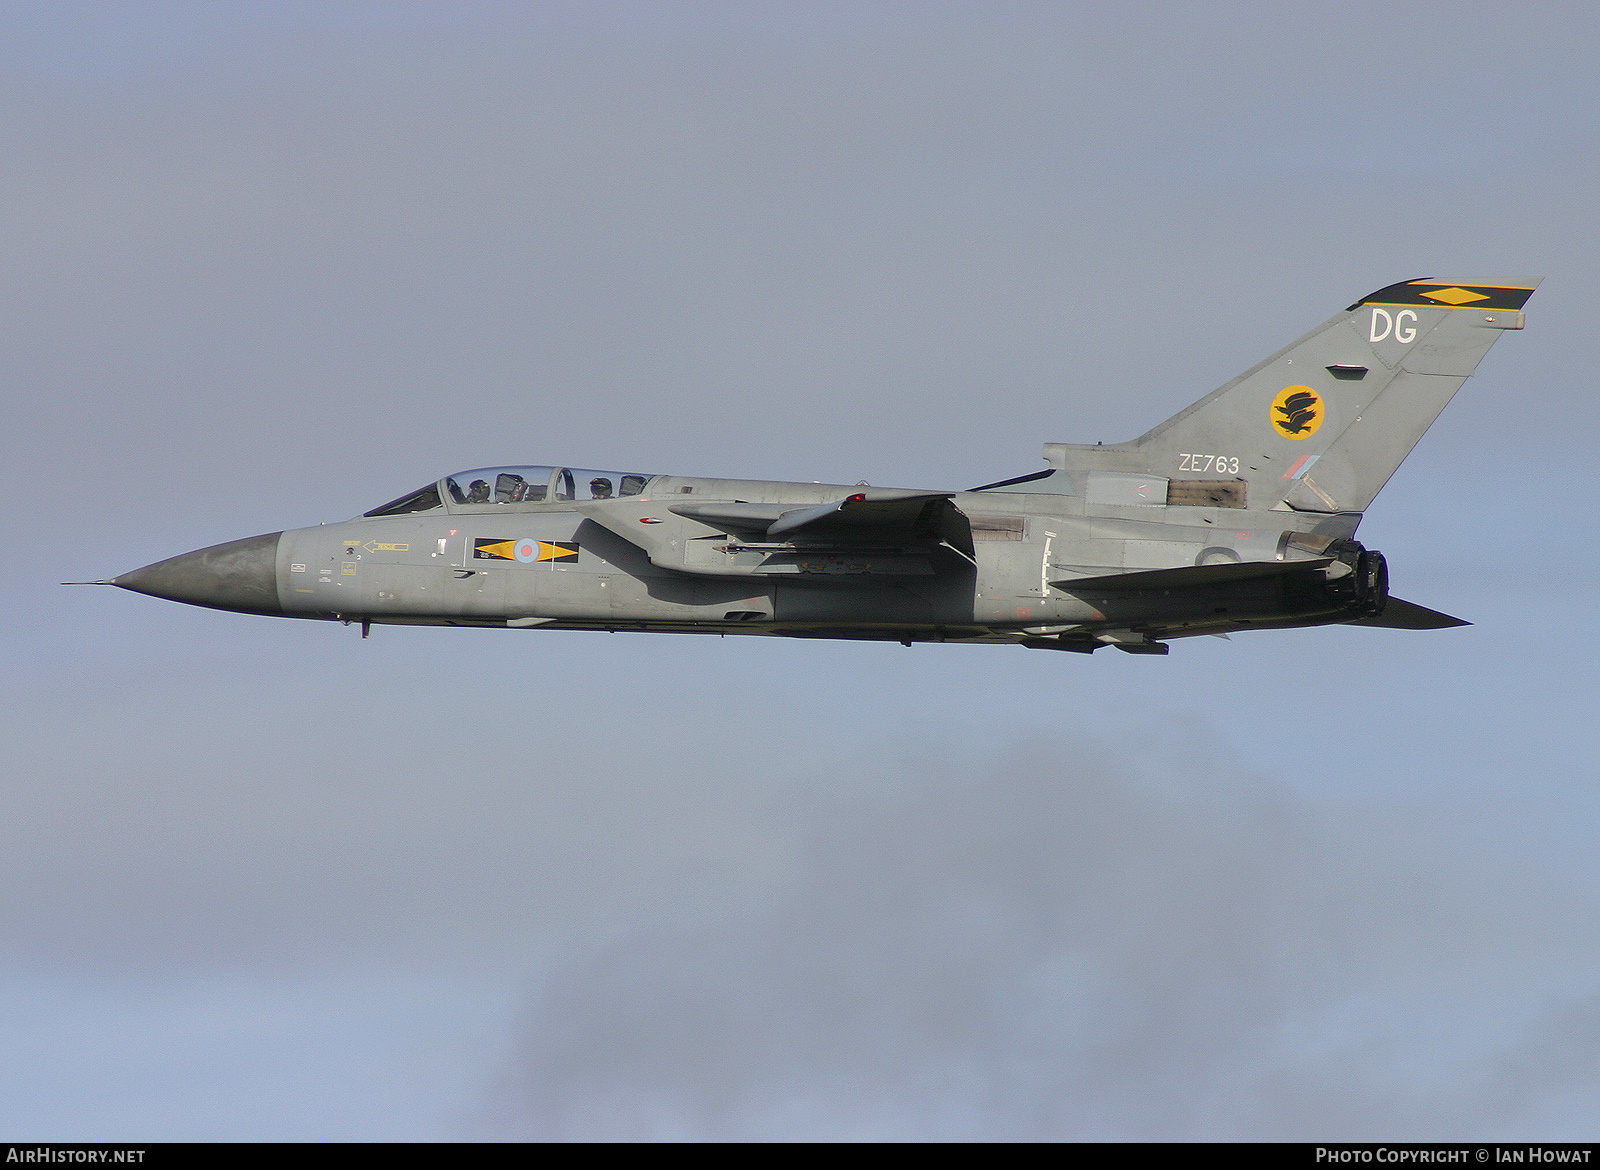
420,500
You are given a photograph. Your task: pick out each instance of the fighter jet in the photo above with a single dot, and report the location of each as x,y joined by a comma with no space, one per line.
1238,513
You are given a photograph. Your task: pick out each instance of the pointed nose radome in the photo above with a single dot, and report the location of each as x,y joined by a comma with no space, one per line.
241,575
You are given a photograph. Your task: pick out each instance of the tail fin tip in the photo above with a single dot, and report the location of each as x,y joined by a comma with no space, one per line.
1427,290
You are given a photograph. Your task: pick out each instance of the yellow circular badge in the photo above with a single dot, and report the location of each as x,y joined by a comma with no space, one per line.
1297,412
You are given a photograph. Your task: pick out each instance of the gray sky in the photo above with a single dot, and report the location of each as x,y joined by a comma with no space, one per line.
272,264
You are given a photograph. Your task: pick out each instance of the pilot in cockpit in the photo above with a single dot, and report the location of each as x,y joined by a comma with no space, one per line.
600,488
478,493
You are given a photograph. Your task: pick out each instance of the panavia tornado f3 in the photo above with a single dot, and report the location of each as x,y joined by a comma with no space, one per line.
1239,513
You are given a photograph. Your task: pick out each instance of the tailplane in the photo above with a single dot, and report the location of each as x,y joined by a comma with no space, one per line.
1404,615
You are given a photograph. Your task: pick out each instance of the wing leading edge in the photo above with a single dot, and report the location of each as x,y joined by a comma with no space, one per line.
877,515
877,532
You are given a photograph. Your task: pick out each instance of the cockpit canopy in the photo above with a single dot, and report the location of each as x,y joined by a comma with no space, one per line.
494,487
540,485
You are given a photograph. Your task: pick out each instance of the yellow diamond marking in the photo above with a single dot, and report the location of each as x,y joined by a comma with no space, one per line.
1455,296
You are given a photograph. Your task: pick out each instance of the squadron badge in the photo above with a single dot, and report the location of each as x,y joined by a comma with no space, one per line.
1297,412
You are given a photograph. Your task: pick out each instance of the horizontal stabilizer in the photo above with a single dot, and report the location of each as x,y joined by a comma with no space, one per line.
1190,577
1402,615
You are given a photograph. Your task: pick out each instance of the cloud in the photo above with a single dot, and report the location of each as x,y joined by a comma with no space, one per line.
1051,944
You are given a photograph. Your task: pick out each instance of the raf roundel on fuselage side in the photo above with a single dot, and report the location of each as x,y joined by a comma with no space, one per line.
1238,513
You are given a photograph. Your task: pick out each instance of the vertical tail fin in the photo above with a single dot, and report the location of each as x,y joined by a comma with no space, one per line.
1321,425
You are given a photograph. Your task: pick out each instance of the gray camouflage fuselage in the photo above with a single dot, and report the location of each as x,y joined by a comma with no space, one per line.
1238,513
